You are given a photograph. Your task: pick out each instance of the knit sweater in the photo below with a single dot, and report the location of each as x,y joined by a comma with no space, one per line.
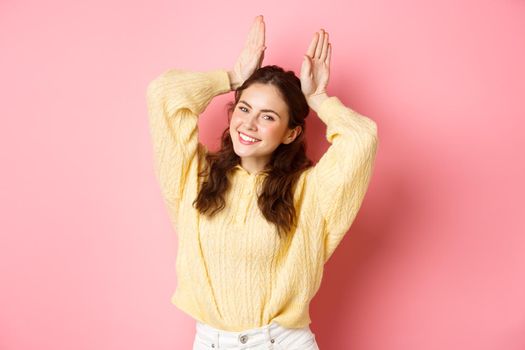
233,271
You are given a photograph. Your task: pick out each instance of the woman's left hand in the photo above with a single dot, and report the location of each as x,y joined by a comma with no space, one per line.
315,70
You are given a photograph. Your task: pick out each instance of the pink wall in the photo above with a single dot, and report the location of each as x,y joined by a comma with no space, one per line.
435,259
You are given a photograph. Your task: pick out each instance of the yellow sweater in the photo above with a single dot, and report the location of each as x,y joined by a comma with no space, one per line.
233,271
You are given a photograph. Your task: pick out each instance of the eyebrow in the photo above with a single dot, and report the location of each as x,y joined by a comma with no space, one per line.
262,110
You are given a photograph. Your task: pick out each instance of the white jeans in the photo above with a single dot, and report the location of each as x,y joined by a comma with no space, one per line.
269,337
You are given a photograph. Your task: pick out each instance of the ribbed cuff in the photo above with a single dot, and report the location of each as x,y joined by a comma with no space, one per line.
338,117
328,109
220,81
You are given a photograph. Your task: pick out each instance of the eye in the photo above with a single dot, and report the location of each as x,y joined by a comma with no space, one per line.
245,110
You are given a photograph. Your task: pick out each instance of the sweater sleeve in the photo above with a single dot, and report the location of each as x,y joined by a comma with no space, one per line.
342,175
175,99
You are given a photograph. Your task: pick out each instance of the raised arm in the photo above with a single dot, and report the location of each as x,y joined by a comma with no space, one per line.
341,177
175,100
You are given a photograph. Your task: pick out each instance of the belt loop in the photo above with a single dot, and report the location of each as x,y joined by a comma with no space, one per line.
270,336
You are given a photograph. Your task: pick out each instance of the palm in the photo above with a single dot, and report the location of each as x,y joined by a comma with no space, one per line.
252,54
315,69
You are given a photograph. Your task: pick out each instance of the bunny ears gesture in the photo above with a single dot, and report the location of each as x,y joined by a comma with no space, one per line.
252,55
315,69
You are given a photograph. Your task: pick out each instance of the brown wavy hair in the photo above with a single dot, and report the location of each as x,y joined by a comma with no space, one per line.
287,162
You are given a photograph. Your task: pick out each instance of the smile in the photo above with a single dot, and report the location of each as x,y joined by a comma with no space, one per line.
246,140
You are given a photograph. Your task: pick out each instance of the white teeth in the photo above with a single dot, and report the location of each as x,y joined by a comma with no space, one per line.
247,138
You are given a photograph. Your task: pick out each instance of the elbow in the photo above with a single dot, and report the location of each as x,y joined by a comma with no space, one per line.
150,91
152,87
369,132
372,127
371,139
156,83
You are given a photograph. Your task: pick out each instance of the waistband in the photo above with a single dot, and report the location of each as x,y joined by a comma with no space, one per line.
251,337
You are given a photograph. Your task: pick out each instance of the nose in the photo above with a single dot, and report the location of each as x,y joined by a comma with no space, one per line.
250,122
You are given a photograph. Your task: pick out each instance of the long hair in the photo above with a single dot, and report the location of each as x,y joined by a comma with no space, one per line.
287,162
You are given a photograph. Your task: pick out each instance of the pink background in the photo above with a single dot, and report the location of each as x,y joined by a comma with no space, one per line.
435,258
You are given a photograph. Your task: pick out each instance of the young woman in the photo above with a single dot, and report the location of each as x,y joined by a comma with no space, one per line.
256,221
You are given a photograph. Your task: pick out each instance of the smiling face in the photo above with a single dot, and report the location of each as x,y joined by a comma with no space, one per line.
261,113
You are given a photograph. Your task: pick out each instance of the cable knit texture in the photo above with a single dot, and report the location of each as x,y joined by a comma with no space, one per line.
233,271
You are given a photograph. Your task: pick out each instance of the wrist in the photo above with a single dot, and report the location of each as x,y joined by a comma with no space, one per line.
234,83
315,101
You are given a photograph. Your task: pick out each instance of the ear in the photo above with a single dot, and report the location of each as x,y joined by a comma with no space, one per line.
292,134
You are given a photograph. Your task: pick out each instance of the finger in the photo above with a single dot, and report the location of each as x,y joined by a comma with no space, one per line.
262,34
325,48
260,31
249,38
319,47
311,49
328,55
306,68
253,32
303,67
261,60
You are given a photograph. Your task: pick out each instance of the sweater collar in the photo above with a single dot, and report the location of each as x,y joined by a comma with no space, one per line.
245,172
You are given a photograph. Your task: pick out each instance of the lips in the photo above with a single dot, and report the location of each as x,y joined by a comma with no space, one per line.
246,142
249,136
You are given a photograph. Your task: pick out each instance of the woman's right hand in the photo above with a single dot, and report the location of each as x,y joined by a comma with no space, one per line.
251,56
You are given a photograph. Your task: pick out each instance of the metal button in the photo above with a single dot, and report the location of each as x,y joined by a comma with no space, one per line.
273,340
243,339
